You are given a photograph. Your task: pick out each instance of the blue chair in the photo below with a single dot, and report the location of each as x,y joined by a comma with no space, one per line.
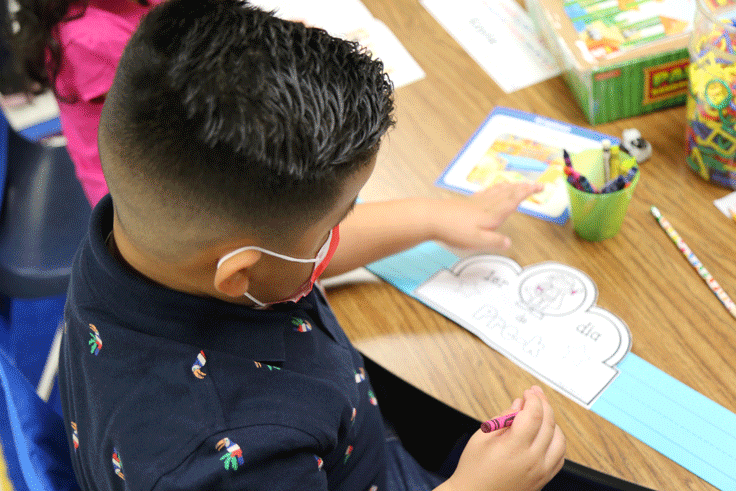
44,215
35,452
43,218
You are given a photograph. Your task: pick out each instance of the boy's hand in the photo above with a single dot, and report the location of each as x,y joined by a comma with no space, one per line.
470,222
522,457
379,229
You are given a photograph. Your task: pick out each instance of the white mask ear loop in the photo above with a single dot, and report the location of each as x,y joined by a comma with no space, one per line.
261,305
320,255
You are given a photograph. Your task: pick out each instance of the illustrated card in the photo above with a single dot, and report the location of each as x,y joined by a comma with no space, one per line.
516,146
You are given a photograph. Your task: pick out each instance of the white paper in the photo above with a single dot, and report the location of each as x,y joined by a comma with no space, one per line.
500,37
726,203
544,318
23,113
350,19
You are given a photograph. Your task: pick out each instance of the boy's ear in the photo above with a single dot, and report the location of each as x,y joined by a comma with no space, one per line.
232,278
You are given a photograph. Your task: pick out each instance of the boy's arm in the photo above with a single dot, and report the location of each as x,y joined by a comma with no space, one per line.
376,230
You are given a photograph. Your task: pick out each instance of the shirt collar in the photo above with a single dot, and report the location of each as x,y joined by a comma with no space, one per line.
204,322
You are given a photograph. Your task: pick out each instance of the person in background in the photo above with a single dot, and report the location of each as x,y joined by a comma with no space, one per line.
73,48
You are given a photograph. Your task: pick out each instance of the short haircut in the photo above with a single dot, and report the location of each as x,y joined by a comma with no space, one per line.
223,114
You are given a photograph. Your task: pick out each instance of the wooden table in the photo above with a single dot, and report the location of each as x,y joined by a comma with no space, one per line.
676,322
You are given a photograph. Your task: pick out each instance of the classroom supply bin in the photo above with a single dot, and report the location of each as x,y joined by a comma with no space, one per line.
711,109
620,58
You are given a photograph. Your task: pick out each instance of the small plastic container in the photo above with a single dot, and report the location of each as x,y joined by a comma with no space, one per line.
598,216
710,136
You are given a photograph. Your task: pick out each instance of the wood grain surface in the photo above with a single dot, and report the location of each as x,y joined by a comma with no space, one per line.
677,323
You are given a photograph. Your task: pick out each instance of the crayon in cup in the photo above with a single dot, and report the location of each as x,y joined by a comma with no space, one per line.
576,179
614,185
615,161
566,157
599,216
606,158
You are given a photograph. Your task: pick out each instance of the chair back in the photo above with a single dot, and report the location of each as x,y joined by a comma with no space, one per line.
3,156
43,218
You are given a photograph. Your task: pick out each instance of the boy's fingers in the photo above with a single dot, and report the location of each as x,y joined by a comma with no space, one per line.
537,421
516,405
535,429
531,188
547,427
517,191
539,392
494,240
528,422
555,457
522,190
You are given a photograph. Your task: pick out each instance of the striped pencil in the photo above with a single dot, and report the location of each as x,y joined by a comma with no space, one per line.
695,262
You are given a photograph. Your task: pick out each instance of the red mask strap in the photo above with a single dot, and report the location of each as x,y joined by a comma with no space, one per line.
334,241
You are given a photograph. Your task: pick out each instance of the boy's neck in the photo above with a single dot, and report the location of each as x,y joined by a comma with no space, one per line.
178,277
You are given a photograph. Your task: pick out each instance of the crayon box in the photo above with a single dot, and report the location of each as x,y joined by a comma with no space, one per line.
620,58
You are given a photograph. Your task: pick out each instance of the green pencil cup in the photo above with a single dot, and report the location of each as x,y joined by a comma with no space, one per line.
598,216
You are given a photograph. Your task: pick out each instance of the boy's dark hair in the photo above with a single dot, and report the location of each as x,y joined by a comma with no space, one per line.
221,111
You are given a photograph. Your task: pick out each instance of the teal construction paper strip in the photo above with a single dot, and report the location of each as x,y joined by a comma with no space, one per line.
672,418
409,269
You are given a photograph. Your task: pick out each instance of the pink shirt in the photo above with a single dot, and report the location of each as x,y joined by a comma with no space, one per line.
91,47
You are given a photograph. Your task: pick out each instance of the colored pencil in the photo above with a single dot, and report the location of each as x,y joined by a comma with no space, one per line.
695,262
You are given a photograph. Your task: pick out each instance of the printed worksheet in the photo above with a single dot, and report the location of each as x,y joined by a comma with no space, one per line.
544,318
500,37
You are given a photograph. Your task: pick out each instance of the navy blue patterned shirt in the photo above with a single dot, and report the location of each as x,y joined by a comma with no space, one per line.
162,390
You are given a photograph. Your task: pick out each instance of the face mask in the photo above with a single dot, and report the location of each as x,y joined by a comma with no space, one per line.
320,264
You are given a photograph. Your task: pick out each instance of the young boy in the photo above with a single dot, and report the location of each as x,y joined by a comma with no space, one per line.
196,354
